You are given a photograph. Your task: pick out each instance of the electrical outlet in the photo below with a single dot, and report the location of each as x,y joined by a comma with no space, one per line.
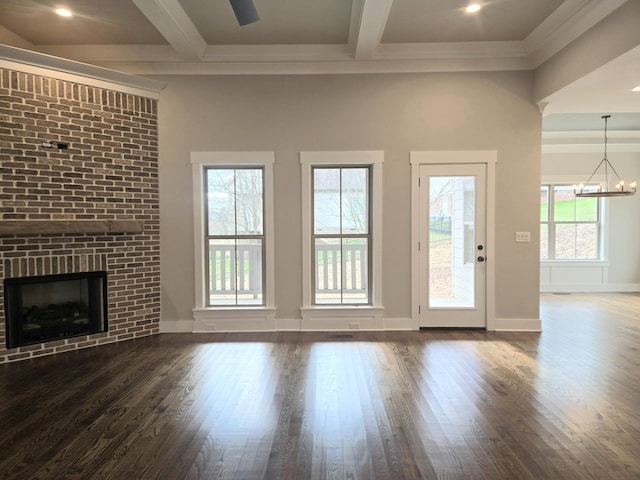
354,325
523,237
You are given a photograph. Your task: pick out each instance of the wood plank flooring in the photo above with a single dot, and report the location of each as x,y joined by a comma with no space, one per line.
564,404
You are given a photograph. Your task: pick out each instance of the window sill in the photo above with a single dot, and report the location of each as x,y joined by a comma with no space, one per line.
574,263
230,309
340,308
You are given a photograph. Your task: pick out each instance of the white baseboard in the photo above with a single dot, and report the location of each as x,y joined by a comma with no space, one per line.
323,323
517,325
335,319
176,326
338,324
207,320
247,324
288,324
394,324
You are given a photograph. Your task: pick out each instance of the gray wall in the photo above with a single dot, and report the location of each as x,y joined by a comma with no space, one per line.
616,34
396,113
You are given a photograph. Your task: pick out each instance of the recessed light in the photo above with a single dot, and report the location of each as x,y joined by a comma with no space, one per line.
637,89
473,8
64,12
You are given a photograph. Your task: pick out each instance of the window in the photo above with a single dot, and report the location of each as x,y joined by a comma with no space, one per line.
341,235
569,227
341,227
234,251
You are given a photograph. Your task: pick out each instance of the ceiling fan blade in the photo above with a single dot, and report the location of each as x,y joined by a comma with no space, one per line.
245,11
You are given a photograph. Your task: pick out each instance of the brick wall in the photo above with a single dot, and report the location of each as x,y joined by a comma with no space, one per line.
109,172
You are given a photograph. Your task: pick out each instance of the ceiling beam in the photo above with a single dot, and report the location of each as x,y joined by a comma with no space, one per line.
368,20
570,20
174,24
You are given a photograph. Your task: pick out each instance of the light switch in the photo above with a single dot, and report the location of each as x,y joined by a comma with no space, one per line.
523,237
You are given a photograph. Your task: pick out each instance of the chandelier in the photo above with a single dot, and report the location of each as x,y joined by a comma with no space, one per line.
620,189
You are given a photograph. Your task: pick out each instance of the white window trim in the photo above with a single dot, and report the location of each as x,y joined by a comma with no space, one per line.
316,316
242,317
604,225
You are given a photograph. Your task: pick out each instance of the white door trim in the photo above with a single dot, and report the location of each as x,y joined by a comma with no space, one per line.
487,157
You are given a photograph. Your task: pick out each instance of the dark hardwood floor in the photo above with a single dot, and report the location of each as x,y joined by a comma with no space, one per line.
564,404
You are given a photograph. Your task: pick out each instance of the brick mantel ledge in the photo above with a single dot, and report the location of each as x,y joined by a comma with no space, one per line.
17,227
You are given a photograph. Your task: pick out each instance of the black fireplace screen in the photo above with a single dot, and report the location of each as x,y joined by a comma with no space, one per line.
54,307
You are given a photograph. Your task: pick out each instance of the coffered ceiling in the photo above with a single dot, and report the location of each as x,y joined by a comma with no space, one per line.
148,37
154,36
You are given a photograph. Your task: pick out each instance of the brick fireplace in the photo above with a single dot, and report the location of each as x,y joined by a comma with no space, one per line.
90,207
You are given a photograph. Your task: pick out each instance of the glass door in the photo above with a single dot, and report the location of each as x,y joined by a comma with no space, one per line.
452,250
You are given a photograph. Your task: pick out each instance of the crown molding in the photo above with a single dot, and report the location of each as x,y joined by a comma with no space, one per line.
41,64
590,148
104,54
161,54
187,53
589,141
596,134
452,50
318,68
568,22
300,59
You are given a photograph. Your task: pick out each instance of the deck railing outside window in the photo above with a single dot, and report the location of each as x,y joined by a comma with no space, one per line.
337,267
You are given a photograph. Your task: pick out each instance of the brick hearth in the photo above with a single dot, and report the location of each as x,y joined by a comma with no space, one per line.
109,173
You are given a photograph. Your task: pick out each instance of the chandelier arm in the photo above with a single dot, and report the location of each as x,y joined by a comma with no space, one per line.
594,172
611,166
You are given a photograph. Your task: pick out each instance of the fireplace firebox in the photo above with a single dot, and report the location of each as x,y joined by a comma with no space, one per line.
54,307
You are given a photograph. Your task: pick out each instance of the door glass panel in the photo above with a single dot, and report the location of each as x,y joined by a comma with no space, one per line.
452,214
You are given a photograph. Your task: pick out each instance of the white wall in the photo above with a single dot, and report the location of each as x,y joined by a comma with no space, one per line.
622,269
395,113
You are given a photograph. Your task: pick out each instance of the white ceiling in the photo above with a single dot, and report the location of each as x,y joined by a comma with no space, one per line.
147,37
